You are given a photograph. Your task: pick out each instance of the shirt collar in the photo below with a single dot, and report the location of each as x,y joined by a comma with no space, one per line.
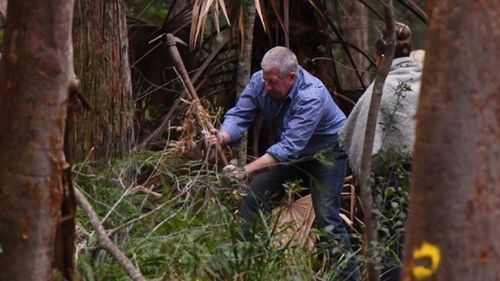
293,91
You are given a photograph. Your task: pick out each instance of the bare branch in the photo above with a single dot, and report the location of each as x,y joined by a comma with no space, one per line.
104,241
170,44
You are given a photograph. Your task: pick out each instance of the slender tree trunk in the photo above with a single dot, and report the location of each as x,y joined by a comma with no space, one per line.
244,66
354,24
453,224
383,69
35,74
101,63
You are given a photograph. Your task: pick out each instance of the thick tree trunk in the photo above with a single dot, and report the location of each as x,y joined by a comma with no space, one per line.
453,225
101,63
354,24
35,74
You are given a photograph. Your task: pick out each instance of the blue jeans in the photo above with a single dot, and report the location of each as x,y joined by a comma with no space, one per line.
324,178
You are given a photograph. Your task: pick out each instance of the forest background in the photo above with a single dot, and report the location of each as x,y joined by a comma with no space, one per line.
134,152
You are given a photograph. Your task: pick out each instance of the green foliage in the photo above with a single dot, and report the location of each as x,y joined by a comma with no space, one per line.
391,193
391,124
191,232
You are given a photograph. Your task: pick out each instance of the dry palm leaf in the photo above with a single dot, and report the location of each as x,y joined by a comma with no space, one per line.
201,10
295,219
294,223
258,7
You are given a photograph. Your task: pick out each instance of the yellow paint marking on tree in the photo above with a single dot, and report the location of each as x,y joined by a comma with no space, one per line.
428,251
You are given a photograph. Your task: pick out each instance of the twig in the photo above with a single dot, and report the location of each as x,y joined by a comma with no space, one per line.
149,192
159,207
104,241
112,231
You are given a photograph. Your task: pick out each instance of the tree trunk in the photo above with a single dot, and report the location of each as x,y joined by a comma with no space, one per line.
370,216
354,24
101,63
453,224
244,66
35,74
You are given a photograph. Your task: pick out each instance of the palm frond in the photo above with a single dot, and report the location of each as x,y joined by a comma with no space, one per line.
201,11
258,7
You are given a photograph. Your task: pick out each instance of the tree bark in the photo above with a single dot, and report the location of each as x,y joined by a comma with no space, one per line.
35,74
244,67
453,225
101,63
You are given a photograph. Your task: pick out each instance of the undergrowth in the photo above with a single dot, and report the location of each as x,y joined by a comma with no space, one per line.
176,219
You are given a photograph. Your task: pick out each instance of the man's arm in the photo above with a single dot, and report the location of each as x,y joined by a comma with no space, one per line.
262,164
238,119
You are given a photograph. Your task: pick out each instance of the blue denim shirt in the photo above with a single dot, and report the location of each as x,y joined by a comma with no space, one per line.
306,121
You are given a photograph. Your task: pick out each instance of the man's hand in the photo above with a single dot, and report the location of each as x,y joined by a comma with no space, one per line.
236,172
214,136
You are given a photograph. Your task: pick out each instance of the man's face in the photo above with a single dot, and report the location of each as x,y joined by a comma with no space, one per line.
278,85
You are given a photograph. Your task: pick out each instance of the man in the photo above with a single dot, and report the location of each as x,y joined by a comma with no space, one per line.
305,121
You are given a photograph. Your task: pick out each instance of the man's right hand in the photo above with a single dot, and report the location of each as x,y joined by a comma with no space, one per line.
238,173
214,136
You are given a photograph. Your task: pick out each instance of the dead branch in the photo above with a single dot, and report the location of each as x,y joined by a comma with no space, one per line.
104,241
166,119
170,42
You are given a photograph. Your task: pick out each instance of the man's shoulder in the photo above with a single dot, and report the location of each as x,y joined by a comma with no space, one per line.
310,82
257,78
256,81
311,87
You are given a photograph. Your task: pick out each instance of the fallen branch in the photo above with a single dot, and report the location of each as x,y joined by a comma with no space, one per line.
104,241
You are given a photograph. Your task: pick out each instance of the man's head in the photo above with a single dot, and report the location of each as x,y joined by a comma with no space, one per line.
279,67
